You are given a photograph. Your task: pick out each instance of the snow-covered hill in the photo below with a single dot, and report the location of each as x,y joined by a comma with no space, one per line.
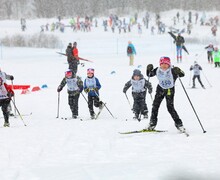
53,148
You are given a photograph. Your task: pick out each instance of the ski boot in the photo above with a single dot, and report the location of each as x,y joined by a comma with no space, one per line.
151,127
180,128
92,116
74,116
6,124
101,105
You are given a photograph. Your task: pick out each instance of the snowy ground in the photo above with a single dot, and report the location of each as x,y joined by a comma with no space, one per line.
51,148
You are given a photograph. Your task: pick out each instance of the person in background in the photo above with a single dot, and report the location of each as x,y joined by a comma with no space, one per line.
196,74
131,51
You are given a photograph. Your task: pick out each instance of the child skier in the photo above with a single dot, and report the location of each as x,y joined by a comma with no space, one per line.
216,57
139,87
5,77
165,89
210,49
196,74
5,97
92,86
74,88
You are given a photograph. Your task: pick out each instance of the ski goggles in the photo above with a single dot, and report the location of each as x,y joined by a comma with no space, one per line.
68,74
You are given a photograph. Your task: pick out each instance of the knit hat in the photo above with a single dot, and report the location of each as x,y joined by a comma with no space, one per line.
136,72
165,60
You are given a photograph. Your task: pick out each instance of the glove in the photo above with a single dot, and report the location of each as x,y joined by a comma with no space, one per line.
176,70
150,91
10,94
150,67
124,91
59,89
12,78
86,90
95,89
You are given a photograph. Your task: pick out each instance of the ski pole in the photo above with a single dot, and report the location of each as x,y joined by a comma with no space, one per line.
18,112
84,97
146,90
58,105
206,79
12,84
128,100
104,105
190,78
192,106
109,111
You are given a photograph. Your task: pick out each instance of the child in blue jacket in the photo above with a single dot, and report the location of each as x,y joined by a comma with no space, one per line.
92,86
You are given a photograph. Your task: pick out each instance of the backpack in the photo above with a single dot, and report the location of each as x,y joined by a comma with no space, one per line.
129,50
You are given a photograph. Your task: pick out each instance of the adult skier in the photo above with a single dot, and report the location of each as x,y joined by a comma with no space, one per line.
167,76
131,51
179,46
139,88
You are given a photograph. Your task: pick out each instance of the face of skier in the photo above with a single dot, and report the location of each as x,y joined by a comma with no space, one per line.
164,66
90,72
136,77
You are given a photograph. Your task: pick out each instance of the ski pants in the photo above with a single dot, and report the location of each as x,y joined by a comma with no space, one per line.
93,100
179,53
4,103
131,59
198,77
73,100
168,94
140,106
73,65
210,58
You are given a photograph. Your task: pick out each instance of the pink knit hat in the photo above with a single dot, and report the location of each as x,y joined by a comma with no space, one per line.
165,60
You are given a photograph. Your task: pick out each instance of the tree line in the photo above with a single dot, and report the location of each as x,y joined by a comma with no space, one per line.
11,9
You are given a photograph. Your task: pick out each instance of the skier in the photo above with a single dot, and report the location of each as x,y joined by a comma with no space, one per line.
210,49
69,55
216,57
167,76
131,51
196,73
5,77
139,87
5,97
179,44
214,30
73,58
92,86
74,88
